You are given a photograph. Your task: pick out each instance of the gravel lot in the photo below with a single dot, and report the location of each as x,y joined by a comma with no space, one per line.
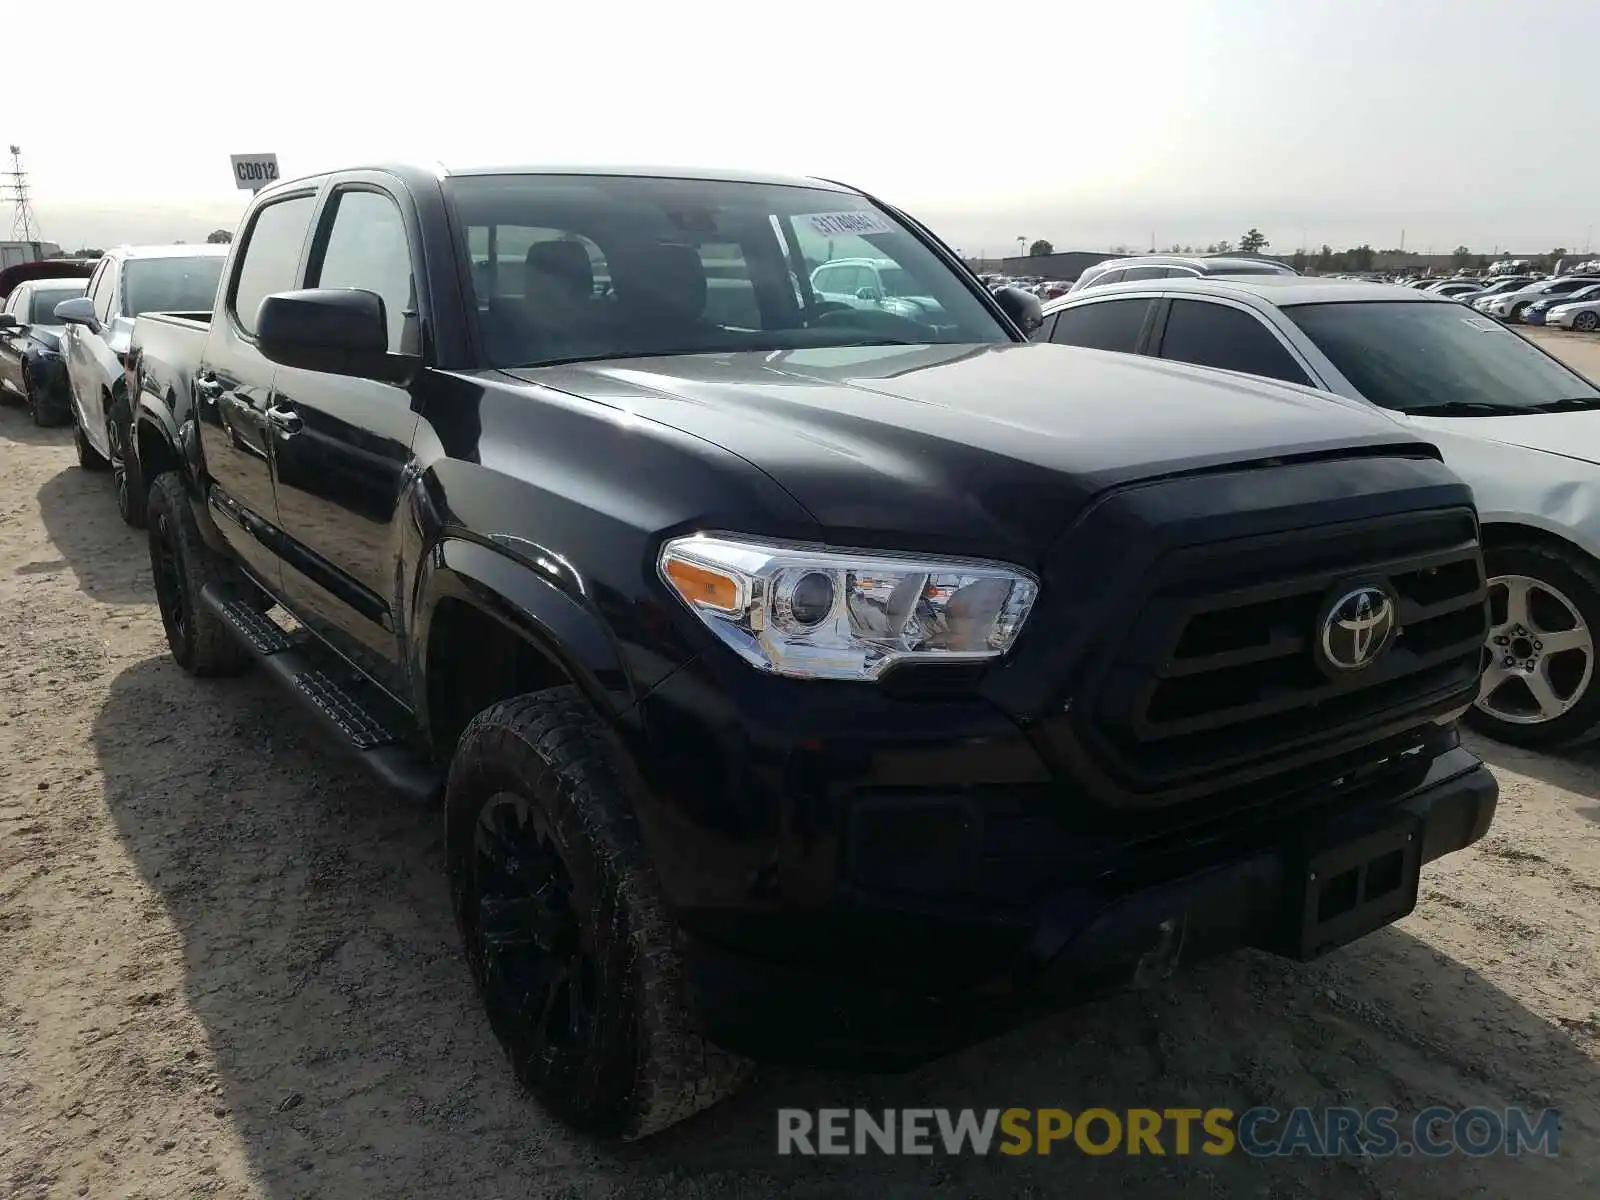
227,965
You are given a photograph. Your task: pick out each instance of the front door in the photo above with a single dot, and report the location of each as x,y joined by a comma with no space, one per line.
233,388
83,372
343,447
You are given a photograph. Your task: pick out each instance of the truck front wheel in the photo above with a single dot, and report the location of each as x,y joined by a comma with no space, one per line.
566,935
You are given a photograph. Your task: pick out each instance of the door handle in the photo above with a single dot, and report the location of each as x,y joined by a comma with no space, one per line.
285,420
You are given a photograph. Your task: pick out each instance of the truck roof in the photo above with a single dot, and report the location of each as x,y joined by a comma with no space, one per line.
442,170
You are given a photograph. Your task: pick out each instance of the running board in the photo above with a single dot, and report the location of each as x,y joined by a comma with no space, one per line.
365,723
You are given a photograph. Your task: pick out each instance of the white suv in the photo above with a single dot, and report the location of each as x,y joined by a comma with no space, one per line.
128,281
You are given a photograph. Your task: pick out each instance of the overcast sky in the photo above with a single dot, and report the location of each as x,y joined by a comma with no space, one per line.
1086,123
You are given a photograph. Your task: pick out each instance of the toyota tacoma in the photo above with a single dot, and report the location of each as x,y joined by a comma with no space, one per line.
799,680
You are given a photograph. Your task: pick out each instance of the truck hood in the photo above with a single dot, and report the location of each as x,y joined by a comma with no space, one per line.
986,449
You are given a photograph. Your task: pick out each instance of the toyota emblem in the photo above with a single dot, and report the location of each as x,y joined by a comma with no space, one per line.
1358,627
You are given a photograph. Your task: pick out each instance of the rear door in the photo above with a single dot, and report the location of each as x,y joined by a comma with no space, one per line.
1115,323
342,446
1216,333
233,387
83,374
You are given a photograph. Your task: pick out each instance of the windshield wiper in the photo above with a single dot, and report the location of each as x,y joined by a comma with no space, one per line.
1568,404
1470,408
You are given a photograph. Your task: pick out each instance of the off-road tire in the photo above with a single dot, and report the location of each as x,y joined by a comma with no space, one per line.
88,457
132,491
201,643
646,1066
1578,578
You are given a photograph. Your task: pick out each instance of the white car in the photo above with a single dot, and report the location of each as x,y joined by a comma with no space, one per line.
1582,315
129,280
1508,306
1513,421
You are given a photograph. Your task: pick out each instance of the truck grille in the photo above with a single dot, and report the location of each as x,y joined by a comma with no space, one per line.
1220,668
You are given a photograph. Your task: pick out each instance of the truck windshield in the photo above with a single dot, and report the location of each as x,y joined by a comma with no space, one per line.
1438,358
573,267
171,284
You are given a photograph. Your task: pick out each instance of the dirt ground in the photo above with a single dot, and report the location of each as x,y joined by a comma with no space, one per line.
227,965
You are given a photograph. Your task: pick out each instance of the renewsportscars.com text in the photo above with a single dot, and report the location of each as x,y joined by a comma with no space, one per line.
1257,1132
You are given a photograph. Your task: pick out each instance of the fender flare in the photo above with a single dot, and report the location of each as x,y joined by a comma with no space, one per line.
547,609
150,413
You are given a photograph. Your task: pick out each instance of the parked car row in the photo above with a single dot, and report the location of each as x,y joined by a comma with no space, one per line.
845,681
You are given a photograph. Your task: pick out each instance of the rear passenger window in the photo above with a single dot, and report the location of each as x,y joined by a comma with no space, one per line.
271,256
1217,335
1109,325
367,249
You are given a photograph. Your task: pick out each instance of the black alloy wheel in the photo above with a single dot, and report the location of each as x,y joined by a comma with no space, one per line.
538,950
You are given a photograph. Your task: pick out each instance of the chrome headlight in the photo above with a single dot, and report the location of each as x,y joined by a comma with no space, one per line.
815,612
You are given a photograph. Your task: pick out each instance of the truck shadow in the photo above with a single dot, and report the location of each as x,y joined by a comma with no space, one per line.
322,962
109,560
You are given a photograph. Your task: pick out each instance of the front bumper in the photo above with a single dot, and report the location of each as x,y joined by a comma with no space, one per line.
1531,317
1076,943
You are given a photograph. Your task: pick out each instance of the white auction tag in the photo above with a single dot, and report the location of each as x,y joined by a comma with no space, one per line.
859,223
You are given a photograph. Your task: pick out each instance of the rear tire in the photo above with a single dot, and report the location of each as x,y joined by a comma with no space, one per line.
566,933
182,565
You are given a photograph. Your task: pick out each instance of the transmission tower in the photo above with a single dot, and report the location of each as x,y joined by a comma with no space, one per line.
22,223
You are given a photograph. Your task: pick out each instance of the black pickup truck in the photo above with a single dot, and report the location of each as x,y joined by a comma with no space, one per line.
801,681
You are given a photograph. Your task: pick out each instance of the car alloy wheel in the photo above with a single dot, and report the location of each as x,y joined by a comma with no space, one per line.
1586,322
1543,653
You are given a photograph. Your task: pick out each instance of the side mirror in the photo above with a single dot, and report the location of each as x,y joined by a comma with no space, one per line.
1022,307
78,311
868,293
7,321
338,331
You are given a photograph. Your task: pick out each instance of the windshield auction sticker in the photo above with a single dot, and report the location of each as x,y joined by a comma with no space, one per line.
859,223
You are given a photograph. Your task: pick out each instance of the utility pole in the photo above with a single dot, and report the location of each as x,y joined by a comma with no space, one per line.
1402,241
23,226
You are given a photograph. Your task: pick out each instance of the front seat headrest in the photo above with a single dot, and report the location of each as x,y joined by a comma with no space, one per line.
664,276
567,262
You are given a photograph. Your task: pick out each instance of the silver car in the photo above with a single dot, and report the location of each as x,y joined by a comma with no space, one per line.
1582,315
1513,421
1175,266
